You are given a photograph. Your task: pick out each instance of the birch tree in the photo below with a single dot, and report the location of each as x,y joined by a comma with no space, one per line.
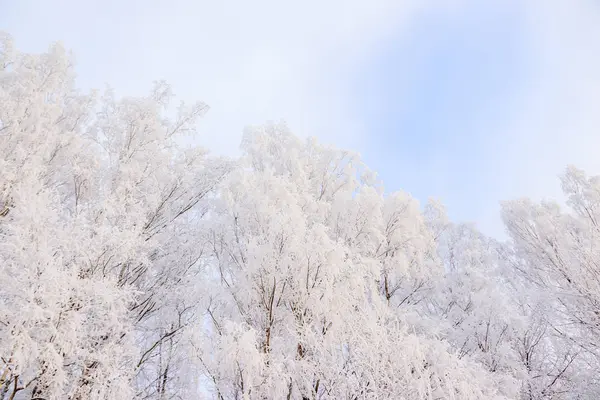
303,243
100,205
556,255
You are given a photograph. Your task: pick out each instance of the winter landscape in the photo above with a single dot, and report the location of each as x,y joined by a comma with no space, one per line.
136,263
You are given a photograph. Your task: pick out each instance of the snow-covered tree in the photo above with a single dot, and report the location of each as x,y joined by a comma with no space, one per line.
556,254
100,207
474,301
311,265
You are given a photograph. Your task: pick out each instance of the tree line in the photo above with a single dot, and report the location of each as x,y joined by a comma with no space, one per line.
134,265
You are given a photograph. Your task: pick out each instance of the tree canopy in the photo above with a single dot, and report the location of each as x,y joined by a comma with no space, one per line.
135,265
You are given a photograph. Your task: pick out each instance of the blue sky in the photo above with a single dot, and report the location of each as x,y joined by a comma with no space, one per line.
468,101
434,98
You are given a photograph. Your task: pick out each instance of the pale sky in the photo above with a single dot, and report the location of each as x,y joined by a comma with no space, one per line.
468,101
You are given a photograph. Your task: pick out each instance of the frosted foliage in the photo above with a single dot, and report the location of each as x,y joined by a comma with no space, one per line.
93,193
557,255
311,263
480,320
